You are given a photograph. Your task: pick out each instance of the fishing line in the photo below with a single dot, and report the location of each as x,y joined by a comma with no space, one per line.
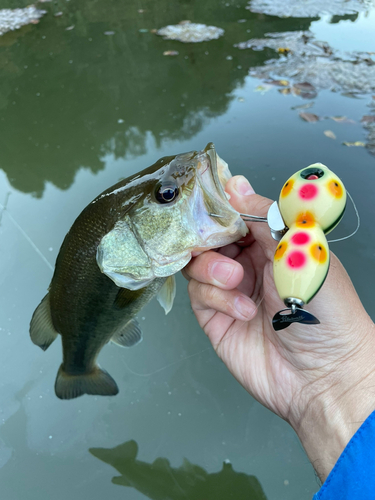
166,366
26,236
358,222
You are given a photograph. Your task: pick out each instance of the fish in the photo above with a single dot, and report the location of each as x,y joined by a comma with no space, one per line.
123,249
158,480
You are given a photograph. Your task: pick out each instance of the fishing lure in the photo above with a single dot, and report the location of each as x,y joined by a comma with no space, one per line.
311,204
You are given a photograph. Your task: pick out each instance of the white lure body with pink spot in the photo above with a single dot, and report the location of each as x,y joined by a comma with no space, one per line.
301,263
315,191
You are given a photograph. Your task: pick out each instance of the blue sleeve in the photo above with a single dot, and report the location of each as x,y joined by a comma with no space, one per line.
353,476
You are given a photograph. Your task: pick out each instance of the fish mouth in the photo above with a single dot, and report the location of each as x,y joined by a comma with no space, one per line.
213,172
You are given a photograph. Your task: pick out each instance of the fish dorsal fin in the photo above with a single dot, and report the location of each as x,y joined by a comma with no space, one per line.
129,335
167,294
122,259
42,331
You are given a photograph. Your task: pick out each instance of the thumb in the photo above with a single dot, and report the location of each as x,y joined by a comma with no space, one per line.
244,200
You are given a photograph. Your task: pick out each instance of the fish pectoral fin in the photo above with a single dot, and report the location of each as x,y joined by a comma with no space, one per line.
42,331
167,294
97,382
129,335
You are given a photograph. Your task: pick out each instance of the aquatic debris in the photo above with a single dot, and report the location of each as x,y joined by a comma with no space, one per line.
278,83
170,53
13,19
304,89
355,143
369,125
330,134
189,32
368,119
109,33
262,88
315,62
339,118
285,91
300,42
309,117
309,8
304,106
69,28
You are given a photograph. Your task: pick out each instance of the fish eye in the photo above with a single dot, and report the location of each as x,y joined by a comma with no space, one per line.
166,192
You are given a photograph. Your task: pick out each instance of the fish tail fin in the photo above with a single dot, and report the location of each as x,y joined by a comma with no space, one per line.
97,382
42,331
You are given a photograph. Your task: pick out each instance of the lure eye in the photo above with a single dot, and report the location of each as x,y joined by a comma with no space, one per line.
166,193
312,173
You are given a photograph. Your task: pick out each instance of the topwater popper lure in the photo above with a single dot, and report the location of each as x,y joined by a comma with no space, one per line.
311,204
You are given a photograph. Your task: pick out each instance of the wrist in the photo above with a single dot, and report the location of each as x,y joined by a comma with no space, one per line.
333,408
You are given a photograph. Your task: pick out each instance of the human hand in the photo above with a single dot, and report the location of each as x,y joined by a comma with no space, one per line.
317,377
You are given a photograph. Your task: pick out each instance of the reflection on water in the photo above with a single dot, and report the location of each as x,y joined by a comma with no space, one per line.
159,481
81,94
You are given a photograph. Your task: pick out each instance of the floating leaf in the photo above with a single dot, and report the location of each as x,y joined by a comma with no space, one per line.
305,90
309,117
304,106
368,119
338,118
330,134
262,88
279,83
170,53
342,119
283,50
352,95
355,143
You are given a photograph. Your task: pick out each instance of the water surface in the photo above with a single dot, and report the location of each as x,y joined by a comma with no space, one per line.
80,109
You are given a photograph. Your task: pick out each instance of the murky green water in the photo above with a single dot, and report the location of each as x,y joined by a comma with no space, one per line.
80,109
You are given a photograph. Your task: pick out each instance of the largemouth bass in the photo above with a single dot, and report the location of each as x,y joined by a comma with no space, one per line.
122,250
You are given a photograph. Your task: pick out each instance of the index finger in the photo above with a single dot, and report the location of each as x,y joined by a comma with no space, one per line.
215,269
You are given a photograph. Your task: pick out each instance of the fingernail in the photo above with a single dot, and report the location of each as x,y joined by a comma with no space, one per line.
244,306
242,186
222,271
